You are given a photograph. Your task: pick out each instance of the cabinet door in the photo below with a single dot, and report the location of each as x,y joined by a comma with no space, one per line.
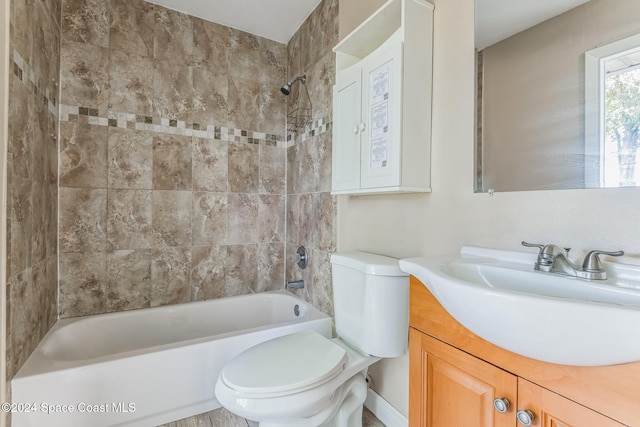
382,117
347,128
450,388
552,410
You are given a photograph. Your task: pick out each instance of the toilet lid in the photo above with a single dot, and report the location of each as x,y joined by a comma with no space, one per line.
289,363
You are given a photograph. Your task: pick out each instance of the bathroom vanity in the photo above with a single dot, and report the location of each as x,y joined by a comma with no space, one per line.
459,379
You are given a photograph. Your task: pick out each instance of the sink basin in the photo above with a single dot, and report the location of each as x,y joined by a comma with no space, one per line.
559,319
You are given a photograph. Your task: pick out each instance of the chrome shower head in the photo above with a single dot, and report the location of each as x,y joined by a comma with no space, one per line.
286,89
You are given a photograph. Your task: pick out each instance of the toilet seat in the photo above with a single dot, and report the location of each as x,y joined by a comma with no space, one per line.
296,362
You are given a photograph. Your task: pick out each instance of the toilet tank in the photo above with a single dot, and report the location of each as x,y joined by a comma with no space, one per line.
371,302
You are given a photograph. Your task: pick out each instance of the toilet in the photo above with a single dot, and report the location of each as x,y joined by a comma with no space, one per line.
307,380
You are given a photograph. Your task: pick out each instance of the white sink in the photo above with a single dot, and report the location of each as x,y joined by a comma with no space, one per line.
559,319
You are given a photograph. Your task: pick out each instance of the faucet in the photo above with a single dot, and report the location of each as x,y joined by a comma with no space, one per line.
555,259
296,284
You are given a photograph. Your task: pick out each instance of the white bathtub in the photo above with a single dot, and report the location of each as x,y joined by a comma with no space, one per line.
147,367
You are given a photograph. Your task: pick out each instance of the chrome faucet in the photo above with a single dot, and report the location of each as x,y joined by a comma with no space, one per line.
555,259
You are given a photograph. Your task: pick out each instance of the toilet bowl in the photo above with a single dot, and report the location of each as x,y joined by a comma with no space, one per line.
315,393
306,379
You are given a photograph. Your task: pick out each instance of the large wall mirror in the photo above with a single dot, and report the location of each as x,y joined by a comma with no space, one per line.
558,100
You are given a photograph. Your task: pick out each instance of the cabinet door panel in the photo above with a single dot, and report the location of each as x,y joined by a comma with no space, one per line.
449,388
456,397
382,113
553,410
347,109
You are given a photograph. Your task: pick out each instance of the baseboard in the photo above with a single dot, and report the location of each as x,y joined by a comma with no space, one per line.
383,410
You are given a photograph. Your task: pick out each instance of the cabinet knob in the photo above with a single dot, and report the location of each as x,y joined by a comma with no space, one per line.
362,127
355,130
525,417
501,404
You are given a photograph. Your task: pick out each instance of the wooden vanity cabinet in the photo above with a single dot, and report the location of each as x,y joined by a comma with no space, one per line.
455,377
554,410
452,388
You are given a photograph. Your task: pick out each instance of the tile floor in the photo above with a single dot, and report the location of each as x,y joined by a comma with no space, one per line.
224,418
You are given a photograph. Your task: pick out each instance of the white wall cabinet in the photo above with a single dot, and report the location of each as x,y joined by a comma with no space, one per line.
382,102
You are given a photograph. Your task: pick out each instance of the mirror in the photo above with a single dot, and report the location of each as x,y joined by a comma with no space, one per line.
558,100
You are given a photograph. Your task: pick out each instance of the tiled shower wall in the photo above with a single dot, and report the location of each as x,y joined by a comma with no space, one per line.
172,158
311,210
32,176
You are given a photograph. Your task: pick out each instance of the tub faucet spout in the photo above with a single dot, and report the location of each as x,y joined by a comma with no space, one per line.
296,284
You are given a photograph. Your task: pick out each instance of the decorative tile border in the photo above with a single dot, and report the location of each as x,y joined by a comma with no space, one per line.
28,77
70,113
317,127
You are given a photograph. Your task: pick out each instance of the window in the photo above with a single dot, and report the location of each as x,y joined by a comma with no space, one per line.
612,114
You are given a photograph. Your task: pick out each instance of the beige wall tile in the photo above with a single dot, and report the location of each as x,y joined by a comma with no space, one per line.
270,267
82,284
39,200
172,36
171,213
32,175
173,89
272,180
130,83
86,21
242,214
128,279
22,128
20,317
243,167
170,276
22,33
83,215
241,269
210,160
21,222
210,94
208,272
83,155
46,48
129,214
211,45
209,218
132,26
84,75
271,218
130,159
171,162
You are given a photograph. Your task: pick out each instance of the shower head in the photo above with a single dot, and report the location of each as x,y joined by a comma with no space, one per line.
286,89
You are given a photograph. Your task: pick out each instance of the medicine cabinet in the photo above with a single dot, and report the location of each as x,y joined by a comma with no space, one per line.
382,102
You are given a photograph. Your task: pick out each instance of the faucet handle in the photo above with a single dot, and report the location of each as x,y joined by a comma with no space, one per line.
533,245
592,261
547,250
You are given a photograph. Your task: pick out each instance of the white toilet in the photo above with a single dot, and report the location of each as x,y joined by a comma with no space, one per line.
305,379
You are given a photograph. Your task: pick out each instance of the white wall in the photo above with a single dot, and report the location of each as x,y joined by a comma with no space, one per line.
452,215
4,95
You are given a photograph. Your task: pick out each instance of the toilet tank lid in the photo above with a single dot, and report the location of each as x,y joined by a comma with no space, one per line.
368,263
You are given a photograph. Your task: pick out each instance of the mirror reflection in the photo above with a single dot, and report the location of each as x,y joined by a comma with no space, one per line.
558,102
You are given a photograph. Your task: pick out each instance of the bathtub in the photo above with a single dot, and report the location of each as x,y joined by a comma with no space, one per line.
151,366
